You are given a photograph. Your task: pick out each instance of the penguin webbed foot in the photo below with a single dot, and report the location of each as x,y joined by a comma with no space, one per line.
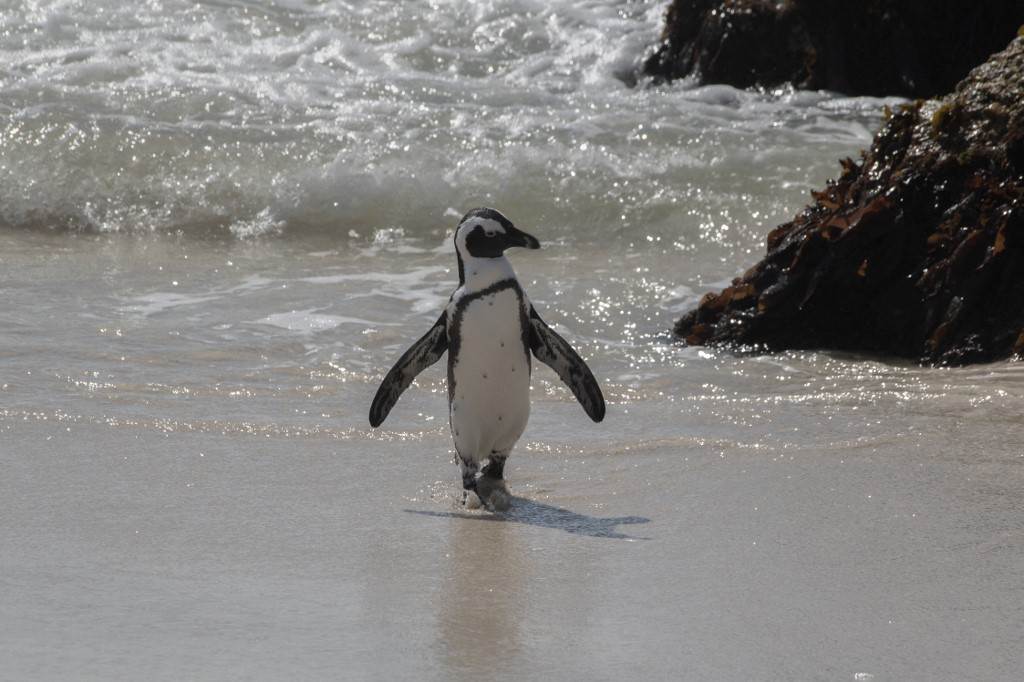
487,492
470,499
493,493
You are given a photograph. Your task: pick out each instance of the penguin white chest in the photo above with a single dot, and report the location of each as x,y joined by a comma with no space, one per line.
489,375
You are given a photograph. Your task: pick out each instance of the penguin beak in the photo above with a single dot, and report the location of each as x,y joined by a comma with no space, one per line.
516,237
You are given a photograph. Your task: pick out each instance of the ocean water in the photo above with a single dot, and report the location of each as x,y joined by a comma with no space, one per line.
221,222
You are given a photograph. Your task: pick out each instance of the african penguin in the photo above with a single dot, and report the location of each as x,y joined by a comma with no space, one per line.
489,329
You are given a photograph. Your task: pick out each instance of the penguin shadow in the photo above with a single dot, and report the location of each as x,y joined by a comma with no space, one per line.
533,513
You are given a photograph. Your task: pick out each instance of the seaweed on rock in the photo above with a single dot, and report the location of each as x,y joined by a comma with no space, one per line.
916,251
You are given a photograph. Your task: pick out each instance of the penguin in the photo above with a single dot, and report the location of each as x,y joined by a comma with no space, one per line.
489,330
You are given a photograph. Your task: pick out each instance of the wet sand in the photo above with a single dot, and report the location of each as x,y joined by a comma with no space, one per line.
198,555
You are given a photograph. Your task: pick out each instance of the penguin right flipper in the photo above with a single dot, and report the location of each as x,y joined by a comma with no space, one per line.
556,353
420,355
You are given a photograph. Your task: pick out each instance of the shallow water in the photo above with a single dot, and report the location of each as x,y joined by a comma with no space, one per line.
221,223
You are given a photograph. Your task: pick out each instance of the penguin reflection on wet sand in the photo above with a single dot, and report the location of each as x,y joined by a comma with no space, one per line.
489,329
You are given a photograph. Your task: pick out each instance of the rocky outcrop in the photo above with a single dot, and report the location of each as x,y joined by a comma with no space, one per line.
914,48
916,251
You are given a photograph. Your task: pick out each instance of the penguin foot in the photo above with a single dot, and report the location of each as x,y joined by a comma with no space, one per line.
471,500
499,501
494,493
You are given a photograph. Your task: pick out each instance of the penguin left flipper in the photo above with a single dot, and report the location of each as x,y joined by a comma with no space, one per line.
420,355
556,353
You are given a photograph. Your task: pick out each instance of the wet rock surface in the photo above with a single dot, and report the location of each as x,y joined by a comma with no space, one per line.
915,48
916,251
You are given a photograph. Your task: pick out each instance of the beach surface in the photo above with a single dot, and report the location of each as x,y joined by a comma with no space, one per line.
220,224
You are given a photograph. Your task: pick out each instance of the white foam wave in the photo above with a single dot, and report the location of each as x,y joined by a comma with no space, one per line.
262,224
252,120
310,321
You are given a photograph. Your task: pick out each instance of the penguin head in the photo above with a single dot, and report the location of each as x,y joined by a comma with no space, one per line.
486,233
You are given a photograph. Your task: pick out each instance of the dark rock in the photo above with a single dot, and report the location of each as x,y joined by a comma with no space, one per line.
918,251
916,48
